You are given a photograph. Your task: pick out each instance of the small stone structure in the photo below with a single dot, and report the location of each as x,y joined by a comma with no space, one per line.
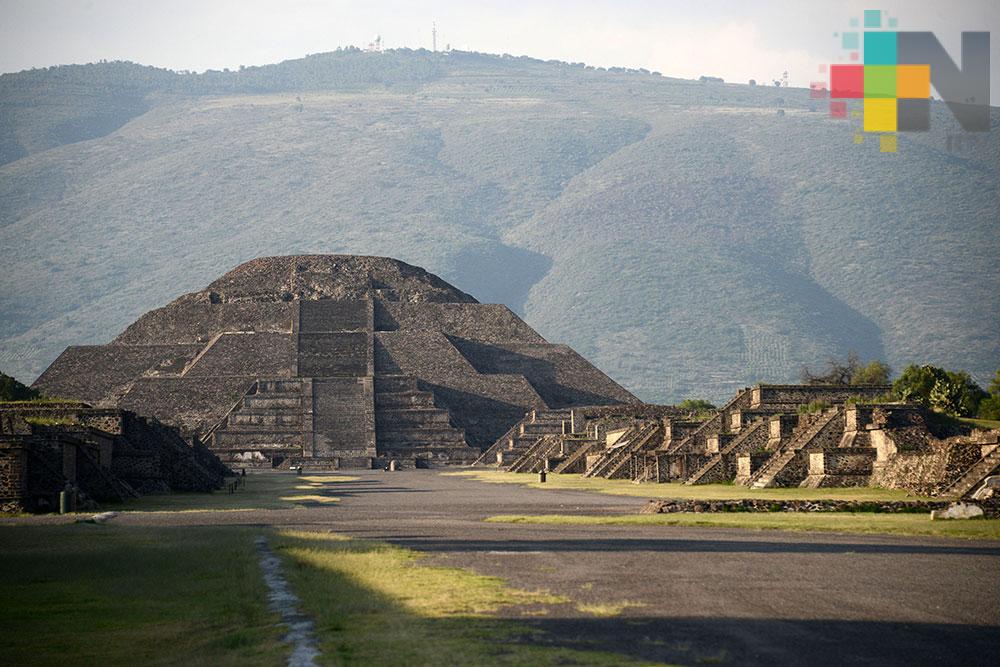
332,361
761,438
103,455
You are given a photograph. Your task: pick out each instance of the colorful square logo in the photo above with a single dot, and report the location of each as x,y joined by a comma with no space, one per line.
895,97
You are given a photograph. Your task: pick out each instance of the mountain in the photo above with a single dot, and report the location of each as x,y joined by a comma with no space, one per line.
687,237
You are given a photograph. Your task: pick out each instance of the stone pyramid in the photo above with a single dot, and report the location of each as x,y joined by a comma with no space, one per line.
332,361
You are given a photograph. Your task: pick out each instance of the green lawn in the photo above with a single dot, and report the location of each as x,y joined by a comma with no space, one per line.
379,604
114,595
673,491
980,423
263,490
841,522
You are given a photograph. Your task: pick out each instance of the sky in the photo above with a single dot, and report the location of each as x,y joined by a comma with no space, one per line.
736,40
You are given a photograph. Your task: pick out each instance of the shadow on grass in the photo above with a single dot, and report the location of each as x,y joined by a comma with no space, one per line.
116,595
372,612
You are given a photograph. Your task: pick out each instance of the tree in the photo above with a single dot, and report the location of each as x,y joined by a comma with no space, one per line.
952,392
837,372
695,405
989,407
12,390
874,372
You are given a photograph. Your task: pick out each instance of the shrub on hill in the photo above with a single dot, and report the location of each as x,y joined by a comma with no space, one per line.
849,372
12,390
951,392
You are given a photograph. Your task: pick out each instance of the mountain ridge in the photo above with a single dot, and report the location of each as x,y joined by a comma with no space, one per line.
686,237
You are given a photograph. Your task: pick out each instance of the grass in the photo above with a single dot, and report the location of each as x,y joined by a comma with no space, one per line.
607,609
980,423
267,490
840,522
375,603
113,595
674,491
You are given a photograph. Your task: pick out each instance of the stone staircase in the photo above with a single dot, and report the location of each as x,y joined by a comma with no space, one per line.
718,423
577,460
979,471
718,467
269,418
778,465
408,421
513,444
612,463
533,460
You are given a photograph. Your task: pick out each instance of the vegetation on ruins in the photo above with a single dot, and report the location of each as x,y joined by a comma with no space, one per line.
699,408
989,407
851,371
12,390
663,228
950,392
813,407
695,405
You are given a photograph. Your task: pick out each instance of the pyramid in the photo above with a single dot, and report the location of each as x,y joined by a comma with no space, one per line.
332,361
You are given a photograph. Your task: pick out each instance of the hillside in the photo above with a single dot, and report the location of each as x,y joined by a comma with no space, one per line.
685,237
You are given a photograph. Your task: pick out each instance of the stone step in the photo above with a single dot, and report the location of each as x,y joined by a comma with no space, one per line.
418,436
269,401
974,475
245,427
272,418
405,399
395,383
279,387
258,438
405,417
541,429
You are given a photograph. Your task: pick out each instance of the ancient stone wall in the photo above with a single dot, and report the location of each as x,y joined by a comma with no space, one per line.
93,373
484,322
198,323
927,471
245,354
803,394
194,404
13,475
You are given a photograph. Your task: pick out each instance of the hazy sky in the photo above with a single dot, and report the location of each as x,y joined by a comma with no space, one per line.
736,40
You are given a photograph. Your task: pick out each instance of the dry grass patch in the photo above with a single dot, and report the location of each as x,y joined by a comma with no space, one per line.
840,522
675,491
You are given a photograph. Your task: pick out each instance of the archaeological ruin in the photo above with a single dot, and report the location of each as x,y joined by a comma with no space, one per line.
332,361
98,454
766,436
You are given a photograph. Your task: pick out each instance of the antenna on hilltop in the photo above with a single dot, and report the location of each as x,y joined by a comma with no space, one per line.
434,36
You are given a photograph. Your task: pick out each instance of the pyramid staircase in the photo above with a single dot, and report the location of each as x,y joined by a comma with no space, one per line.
754,434
577,459
268,419
974,476
407,421
533,459
778,465
717,423
522,436
612,464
